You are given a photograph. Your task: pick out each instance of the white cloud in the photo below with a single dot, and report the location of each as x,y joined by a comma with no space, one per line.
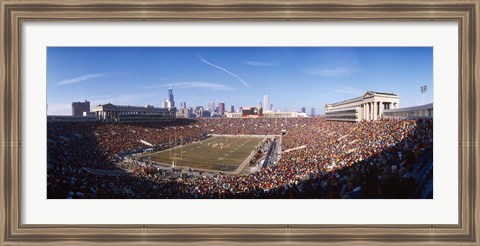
225,70
195,84
81,78
331,72
260,63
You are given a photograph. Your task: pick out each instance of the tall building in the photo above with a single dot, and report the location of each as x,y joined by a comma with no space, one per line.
79,107
232,109
185,113
199,111
221,108
312,112
170,97
183,104
265,102
271,107
211,107
304,110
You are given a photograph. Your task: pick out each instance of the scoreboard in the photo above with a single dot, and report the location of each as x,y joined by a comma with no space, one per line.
252,112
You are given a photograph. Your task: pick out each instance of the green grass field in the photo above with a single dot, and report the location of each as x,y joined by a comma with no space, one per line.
216,153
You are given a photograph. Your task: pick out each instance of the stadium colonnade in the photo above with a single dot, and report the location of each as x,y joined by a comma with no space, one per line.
374,105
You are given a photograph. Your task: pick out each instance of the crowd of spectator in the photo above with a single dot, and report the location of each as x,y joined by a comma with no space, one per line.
338,159
115,138
250,126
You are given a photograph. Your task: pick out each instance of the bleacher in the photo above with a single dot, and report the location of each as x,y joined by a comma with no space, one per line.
424,169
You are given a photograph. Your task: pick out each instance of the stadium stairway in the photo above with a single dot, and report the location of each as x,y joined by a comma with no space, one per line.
424,169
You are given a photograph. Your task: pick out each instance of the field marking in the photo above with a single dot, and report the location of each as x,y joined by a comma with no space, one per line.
247,160
205,157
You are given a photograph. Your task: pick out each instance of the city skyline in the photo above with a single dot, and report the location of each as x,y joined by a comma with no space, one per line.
291,78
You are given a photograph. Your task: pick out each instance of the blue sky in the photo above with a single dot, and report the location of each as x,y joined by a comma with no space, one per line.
292,77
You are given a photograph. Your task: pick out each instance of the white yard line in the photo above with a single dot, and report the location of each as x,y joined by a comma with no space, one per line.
246,161
213,139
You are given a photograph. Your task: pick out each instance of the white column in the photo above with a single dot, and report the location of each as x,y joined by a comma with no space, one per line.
377,109
374,111
369,111
363,115
382,107
366,111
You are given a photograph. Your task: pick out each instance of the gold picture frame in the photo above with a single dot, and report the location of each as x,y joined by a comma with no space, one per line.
15,12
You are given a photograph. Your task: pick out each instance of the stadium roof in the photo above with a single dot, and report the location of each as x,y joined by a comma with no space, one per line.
381,93
361,97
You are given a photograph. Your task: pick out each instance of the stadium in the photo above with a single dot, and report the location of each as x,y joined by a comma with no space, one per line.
252,158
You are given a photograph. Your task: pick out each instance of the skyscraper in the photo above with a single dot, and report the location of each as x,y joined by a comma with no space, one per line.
183,104
265,102
304,110
313,112
211,107
232,109
79,107
170,97
185,113
199,111
221,108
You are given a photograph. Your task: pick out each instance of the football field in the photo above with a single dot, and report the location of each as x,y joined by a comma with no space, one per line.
217,153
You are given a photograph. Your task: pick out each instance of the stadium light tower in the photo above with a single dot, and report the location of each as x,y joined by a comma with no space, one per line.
423,89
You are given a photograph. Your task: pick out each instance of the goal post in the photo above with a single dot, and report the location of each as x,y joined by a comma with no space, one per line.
175,152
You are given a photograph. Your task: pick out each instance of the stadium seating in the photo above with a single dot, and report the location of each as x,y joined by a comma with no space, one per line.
324,160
